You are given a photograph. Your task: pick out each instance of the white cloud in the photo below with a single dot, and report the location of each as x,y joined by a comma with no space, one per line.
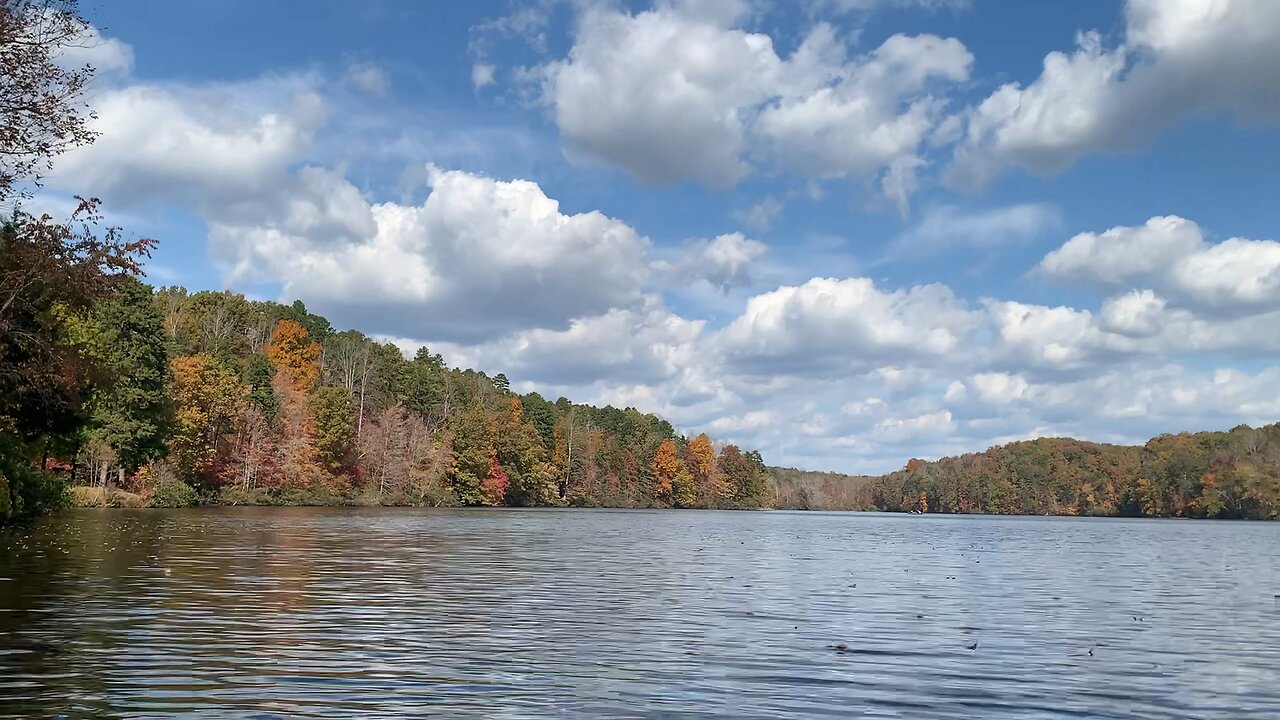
107,56
946,228
1050,338
478,256
1136,314
642,345
827,324
482,75
672,94
760,215
930,425
751,420
199,144
870,5
661,94
1178,57
369,78
723,262
1122,254
1236,273
1171,254
848,118
999,388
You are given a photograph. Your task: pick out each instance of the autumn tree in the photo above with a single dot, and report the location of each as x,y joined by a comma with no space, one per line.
48,270
206,399
703,467
42,109
293,353
744,477
495,484
684,487
664,467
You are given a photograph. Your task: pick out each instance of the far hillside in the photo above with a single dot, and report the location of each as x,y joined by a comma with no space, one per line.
1232,474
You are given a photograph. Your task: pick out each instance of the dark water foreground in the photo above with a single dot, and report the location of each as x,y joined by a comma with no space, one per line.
581,614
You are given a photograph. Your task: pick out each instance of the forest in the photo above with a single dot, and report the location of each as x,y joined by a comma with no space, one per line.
1232,474
172,398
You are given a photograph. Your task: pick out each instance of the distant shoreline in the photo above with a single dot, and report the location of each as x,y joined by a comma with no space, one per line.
96,498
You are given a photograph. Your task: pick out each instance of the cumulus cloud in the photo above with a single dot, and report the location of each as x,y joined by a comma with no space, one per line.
827,324
1171,254
999,388
1177,58
1135,314
648,344
1053,339
201,144
479,256
107,56
723,262
662,94
678,92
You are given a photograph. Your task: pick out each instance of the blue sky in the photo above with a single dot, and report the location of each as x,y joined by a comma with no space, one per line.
847,232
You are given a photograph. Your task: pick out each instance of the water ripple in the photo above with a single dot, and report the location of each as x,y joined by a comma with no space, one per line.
250,612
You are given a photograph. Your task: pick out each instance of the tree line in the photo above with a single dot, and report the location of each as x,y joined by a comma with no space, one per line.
178,398
1231,474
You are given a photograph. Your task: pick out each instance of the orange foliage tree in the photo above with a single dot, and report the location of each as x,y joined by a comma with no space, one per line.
294,353
664,467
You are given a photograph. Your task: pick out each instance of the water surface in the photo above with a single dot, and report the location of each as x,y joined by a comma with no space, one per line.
580,614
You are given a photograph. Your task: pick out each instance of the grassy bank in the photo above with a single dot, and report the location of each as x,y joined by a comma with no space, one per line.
182,496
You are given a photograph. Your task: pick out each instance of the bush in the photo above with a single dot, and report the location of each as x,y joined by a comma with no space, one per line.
234,495
84,496
163,489
25,491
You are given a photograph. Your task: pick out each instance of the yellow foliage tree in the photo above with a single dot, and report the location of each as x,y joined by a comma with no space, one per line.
703,454
664,467
683,487
206,402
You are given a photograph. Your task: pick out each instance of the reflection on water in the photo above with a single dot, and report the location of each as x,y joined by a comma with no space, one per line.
298,612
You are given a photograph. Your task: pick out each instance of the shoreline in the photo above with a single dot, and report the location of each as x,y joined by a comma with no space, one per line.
97,498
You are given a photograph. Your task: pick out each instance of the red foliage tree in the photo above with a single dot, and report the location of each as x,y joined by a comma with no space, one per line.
495,486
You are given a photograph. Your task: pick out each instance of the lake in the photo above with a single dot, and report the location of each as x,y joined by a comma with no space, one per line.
271,612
